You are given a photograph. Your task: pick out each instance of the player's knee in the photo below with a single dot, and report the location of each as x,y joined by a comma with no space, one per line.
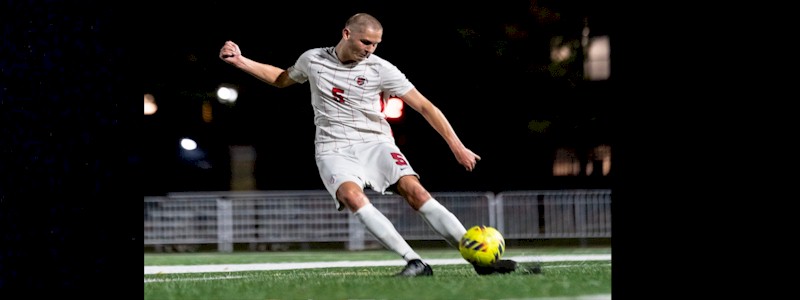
412,190
417,196
352,198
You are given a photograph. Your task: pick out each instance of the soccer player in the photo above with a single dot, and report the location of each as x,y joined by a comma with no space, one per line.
354,146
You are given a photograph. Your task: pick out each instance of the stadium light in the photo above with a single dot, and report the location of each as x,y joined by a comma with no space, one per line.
393,108
188,144
227,94
193,154
150,106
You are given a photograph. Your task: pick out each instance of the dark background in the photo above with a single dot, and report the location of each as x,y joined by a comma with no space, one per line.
69,138
487,67
77,154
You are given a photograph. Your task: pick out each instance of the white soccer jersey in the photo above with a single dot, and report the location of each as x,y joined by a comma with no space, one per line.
347,98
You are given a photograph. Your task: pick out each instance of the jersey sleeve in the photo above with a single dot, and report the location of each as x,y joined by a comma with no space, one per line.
394,81
299,71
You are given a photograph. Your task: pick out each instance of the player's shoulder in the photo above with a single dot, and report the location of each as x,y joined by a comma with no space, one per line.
384,64
377,60
314,54
319,51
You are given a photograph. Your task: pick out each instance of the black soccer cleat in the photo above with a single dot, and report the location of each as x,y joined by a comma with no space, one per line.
535,269
503,266
415,267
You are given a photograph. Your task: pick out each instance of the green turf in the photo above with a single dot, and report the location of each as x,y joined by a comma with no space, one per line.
157,259
558,279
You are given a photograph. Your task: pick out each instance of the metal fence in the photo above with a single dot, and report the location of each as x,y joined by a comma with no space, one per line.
227,218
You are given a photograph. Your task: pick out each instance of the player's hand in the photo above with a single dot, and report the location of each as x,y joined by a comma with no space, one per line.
467,158
229,52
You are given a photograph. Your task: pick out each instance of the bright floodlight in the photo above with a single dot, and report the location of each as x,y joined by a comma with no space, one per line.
394,108
188,144
227,94
150,106
597,65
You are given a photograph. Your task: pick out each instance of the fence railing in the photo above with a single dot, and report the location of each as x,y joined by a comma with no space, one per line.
227,218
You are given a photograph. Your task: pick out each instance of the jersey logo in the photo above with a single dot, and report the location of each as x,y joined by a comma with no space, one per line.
361,80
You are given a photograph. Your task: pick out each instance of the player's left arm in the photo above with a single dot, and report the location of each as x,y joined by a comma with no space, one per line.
439,122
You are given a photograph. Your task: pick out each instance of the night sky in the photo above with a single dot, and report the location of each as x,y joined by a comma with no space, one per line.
486,67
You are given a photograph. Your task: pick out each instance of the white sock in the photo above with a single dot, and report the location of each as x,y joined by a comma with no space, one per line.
442,221
377,224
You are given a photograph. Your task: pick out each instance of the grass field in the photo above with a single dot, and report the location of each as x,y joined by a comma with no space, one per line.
453,278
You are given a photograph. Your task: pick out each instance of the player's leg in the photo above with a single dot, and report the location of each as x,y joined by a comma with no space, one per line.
376,223
438,217
444,222
391,171
339,173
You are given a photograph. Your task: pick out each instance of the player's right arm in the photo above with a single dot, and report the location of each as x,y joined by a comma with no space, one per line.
231,54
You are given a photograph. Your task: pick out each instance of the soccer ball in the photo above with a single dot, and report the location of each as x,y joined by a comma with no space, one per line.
482,245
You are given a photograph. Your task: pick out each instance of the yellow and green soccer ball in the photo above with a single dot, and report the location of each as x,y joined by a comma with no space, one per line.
482,245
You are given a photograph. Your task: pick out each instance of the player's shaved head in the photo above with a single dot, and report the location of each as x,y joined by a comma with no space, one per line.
361,21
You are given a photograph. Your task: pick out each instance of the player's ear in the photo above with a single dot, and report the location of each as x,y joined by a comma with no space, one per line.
345,33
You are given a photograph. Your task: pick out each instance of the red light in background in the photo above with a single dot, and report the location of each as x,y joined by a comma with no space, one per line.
394,108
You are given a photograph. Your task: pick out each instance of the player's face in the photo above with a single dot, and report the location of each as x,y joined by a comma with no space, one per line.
363,43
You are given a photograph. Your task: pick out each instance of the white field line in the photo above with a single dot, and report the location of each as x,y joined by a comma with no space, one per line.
146,280
360,263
